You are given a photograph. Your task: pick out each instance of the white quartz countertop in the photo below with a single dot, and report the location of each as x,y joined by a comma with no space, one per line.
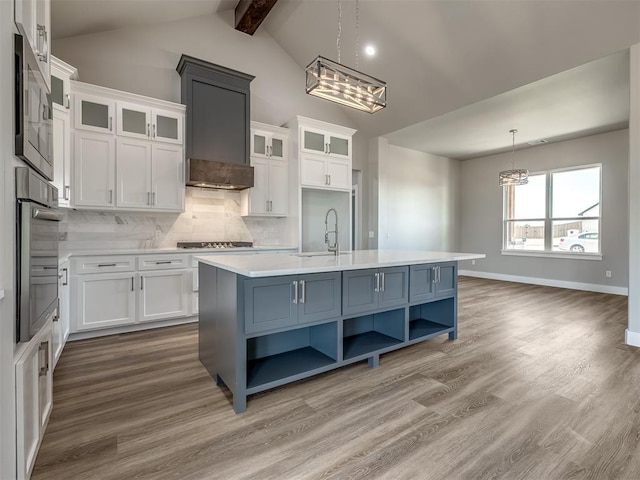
143,251
270,265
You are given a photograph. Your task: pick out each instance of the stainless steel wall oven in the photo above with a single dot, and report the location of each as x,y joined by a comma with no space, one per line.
37,220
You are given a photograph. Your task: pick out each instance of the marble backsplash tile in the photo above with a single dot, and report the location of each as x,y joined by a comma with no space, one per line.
209,215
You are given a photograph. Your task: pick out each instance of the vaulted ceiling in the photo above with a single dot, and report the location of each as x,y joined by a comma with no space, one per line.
436,55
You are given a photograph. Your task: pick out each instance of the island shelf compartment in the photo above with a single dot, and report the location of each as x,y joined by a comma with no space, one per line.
282,357
368,334
432,319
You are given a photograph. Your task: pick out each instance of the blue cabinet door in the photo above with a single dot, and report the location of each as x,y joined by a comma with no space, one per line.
394,287
421,286
319,297
359,291
269,303
447,280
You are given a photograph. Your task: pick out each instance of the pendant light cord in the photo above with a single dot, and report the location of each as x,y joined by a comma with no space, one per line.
513,149
357,32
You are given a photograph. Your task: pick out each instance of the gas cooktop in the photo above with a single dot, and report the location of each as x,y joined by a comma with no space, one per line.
214,244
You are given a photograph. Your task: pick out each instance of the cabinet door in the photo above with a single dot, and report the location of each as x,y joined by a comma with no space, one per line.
104,300
278,147
394,287
167,177
43,38
447,280
134,172
339,146
164,294
27,409
339,173
94,114
421,286
60,90
319,297
94,170
167,127
259,143
313,171
314,142
269,303
278,188
259,194
133,121
25,16
62,155
61,326
359,291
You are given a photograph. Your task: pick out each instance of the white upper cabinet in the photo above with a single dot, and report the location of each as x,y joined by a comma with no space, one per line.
315,140
269,159
34,20
148,158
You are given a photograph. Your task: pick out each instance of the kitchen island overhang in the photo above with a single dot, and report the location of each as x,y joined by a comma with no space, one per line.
271,319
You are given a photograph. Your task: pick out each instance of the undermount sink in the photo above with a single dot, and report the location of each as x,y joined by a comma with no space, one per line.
319,254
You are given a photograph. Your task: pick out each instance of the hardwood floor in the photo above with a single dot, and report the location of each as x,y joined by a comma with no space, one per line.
539,385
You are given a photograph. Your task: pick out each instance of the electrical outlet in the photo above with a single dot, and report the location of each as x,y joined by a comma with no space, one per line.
371,233
607,274
473,262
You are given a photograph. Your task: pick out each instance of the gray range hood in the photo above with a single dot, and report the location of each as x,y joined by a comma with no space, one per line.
217,140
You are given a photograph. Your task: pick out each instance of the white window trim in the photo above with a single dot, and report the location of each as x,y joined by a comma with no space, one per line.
548,220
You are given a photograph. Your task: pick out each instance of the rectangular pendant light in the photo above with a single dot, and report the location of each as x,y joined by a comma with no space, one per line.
333,81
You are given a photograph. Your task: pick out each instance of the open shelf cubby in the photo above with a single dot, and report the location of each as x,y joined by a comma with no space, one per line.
430,319
371,333
281,355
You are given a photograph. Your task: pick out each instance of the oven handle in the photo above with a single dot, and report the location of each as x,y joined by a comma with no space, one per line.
45,214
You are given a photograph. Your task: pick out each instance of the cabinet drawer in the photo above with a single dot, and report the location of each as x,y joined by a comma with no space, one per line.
103,264
162,262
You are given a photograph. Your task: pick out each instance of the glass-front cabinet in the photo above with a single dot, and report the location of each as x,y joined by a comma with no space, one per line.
268,144
315,141
94,114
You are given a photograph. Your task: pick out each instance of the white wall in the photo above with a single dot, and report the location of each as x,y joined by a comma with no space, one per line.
633,331
418,205
7,247
315,204
481,209
143,60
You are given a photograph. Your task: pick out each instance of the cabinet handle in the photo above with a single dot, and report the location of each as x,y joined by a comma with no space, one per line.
154,131
56,319
148,198
377,287
111,124
153,198
163,262
132,284
148,129
141,282
303,288
66,276
67,99
267,207
44,347
42,52
106,264
382,282
67,192
270,206
110,196
329,179
295,291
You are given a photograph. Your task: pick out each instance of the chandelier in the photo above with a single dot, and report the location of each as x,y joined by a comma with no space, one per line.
515,176
340,84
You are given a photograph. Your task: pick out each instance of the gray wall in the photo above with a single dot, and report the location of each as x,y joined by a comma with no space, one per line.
418,205
481,209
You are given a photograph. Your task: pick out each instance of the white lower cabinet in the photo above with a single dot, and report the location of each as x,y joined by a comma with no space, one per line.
151,288
34,393
163,294
104,300
61,323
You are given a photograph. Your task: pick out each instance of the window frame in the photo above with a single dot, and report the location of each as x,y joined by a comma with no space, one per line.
549,220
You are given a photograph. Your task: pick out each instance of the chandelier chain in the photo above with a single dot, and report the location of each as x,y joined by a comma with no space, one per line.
357,32
338,40
513,148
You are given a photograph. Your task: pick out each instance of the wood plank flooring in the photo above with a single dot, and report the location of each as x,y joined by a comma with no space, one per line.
539,385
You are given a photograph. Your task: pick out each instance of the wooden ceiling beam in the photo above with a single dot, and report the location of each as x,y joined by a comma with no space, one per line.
251,13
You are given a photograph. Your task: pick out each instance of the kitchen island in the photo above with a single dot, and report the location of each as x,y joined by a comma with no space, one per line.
271,319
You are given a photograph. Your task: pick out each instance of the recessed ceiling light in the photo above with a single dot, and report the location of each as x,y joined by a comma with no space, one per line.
370,50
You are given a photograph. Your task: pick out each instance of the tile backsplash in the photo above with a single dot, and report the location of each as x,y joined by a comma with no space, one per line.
209,215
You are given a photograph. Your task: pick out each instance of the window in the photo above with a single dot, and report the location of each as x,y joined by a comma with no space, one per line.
557,211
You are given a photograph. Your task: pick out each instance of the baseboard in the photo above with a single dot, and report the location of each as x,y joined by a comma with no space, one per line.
589,287
632,338
103,332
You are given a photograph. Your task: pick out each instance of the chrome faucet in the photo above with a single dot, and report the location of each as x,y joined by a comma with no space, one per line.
335,248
